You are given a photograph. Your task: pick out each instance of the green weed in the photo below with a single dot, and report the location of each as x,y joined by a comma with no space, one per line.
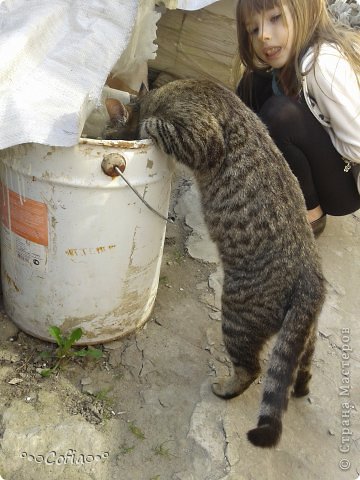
178,256
162,450
124,449
136,431
163,280
65,350
103,396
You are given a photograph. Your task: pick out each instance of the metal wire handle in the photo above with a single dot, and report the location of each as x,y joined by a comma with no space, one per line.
119,172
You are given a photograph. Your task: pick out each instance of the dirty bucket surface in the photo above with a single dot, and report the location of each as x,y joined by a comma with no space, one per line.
79,248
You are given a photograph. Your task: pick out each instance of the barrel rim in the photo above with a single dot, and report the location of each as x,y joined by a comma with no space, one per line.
124,144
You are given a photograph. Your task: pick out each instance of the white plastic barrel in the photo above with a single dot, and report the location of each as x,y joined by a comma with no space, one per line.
79,248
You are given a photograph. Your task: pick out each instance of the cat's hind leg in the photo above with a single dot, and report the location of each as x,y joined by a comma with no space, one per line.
303,376
243,345
232,386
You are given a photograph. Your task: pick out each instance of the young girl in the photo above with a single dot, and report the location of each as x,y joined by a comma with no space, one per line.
302,76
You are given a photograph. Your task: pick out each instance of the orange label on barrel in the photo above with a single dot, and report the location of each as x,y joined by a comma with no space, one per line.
25,217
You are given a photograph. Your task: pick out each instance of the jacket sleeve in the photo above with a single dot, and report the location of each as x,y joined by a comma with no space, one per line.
333,85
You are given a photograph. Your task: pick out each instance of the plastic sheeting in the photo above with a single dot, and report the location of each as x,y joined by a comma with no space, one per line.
54,59
187,4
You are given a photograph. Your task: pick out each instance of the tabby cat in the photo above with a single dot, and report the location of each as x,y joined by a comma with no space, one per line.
256,215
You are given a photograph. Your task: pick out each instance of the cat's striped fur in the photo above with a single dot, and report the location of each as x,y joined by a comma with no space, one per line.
256,215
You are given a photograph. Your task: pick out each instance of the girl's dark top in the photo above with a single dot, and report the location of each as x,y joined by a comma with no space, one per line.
261,89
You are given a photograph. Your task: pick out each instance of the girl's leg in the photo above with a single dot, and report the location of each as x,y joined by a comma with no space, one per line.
311,155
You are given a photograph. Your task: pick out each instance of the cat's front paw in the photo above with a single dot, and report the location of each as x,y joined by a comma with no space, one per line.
230,387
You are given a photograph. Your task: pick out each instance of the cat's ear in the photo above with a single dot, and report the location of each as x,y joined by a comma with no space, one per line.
143,90
117,111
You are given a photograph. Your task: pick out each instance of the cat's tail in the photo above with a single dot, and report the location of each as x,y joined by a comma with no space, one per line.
293,347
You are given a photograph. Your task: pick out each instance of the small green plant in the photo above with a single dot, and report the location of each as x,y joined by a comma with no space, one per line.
155,478
178,256
124,449
163,280
136,431
65,350
162,450
103,396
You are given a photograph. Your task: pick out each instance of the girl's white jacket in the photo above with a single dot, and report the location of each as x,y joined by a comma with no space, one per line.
332,93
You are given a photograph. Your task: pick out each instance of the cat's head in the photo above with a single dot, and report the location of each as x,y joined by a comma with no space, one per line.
124,118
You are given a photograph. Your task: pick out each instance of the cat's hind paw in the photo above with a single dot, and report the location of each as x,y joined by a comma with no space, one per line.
232,386
301,387
301,391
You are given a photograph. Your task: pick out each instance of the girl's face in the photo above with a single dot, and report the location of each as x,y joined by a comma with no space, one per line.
271,33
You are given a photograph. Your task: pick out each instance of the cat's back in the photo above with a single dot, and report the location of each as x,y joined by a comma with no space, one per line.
250,197
190,94
203,105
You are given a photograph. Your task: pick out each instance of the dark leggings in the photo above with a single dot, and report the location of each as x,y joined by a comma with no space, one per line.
308,149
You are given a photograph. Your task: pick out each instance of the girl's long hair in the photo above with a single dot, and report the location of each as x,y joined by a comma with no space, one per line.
313,25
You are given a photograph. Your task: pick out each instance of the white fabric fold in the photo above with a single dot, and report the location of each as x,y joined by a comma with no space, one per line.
54,60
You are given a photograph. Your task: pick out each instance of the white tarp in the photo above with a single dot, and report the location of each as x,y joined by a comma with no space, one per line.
54,59
55,56
187,4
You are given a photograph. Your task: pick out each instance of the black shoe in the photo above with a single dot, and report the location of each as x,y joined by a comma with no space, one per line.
318,225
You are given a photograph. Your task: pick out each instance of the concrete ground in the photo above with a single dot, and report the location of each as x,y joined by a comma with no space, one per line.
145,411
